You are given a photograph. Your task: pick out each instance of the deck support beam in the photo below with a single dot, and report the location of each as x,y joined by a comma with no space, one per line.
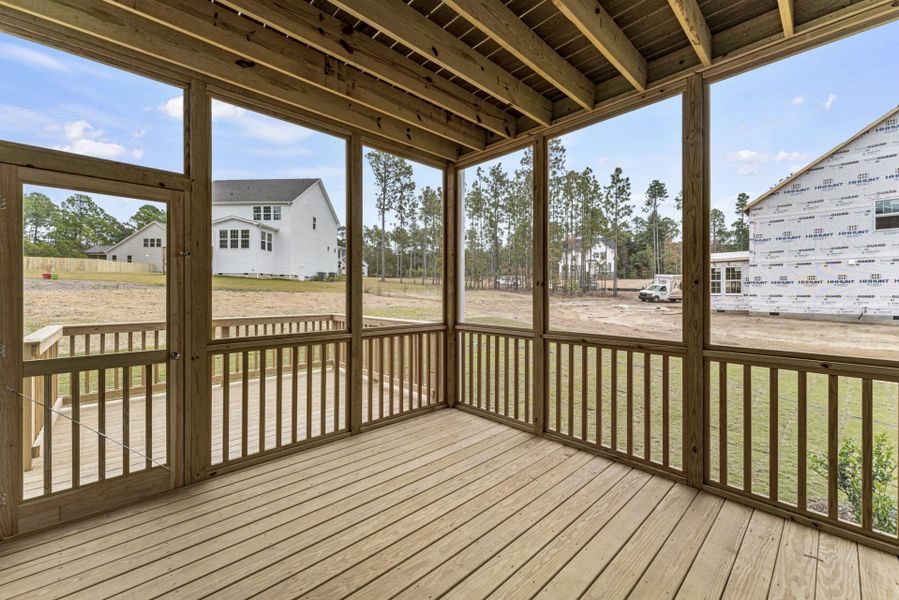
452,276
354,279
786,16
693,23
540,180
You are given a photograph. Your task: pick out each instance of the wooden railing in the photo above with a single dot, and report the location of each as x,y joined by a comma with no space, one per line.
813,438
495,372
128,406
620,398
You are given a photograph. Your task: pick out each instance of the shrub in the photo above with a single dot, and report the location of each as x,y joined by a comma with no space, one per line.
849,479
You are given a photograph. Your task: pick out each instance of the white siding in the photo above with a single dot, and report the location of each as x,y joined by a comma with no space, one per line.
134,247
313,251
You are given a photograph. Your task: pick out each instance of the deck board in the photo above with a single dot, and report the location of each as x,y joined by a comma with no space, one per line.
445,505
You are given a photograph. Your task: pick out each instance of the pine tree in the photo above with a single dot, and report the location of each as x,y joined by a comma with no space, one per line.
618,210
656,194
740,227
393,182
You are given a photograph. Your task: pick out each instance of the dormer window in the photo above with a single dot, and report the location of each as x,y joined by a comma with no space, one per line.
276,213
257,213
266,213
314,223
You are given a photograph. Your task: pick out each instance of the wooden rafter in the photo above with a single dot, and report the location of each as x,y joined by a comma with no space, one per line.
509,31
116,26
231,32
693,23
786,16
597,25
408,26
328,34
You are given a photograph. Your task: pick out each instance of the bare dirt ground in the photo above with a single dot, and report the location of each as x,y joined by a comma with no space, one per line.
79,301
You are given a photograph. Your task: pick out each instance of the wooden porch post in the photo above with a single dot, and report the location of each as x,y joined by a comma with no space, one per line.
198,289
696,273
540,298
11,442
354,278
451,278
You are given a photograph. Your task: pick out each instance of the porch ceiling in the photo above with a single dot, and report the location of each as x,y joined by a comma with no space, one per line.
446,505
444,78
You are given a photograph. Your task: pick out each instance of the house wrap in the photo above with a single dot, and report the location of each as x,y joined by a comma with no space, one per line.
825,241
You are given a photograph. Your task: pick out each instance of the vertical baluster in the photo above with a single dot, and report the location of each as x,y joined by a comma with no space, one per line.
101,423
496,370
585,352
833,383
867,454
309,399
506,376
87,374
381,341
471,394
480,380
773,427
262,363
722,423
802,442
391,350
629,424
666,416
76,430
430,343
419,355
401,354
115,372
126,419
558,393
294,392
323,390
571,390
244,402
517,376
371,378
155,347
337,348
488,367
527,380
279,395
597,358
48,435
747,428
647,407
148,415
613,398
226,406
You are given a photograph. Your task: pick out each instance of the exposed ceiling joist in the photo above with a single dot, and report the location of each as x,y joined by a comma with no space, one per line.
328,34
116,26
786,16
509,31
596,25
414,30
231,32
694,25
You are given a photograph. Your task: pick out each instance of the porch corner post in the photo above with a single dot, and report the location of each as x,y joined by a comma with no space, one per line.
196,436
696,198
451,278
540,179
354,278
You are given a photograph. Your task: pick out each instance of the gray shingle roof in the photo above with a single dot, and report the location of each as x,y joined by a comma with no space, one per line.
97,249
262,191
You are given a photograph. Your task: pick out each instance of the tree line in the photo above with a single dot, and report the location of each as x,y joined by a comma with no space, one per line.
735,237
597,232
407,240
71,227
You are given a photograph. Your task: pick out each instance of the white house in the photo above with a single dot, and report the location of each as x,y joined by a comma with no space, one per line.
592,263
341,263
146,245
825,241
274,228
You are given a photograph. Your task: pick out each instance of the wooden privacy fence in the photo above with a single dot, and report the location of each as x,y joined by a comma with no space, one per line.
812,438
49,264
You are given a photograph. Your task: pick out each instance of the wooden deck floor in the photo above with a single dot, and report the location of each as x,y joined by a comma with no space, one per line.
446,505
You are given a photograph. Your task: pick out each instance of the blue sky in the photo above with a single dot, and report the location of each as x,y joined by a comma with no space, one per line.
766,123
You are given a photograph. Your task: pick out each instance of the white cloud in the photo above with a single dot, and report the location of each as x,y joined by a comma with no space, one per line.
749,161
31,57
831,98
76,130
223,110
174,107
84,139
94,148
137,153
798,100
602,161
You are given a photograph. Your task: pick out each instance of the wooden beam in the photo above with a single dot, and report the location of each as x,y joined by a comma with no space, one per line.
786,16
328,34
540,298
233,33
509,31
116,26
597,25
408,26
693,23
354,258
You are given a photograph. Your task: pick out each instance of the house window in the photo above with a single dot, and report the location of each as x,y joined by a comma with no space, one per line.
158,242
129,258
733,280
716,280
244,238
115,258
146,242
886,214
257,213
266,213
314,222
223,238
266,241
276,213
235,239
